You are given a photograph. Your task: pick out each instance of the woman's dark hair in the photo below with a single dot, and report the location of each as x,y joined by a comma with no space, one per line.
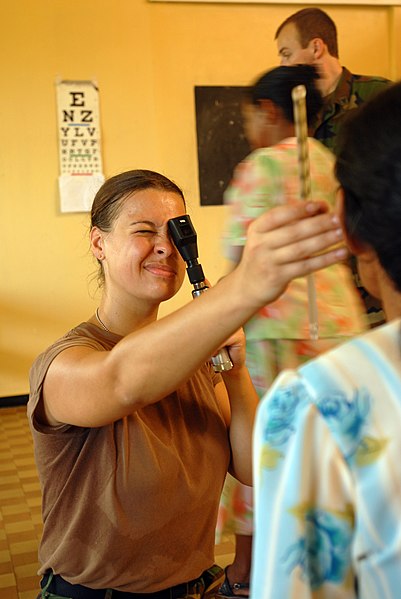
369,170
110,198
277,84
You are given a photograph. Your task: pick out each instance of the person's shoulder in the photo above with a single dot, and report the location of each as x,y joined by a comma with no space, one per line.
281,407
64,339
339,390
83,334
352,384
371,80
317,147
366,82
366,353
260,154
245,166
263,161
354,89
273,157
89,333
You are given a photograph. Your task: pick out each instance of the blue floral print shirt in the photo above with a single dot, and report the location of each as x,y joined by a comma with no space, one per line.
327,467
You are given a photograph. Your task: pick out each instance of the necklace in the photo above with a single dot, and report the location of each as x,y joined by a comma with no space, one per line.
100,321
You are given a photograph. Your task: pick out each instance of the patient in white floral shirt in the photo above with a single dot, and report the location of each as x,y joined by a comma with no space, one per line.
327,443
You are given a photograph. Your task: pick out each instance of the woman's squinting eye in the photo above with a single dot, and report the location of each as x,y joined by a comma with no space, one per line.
144,232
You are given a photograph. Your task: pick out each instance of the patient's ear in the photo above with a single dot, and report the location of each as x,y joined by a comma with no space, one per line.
270,110
355,245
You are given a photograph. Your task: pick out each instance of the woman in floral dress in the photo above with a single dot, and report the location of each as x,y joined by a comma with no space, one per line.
278,336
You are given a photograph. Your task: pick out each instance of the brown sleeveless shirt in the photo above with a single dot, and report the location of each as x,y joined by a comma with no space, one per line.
131,505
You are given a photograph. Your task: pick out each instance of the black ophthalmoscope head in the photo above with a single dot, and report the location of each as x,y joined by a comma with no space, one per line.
184,236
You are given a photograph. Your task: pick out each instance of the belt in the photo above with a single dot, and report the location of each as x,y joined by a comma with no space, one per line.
53,586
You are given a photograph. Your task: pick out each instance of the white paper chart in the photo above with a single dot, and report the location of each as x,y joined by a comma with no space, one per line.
79,144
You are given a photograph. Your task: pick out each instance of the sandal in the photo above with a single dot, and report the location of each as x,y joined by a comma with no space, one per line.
227,590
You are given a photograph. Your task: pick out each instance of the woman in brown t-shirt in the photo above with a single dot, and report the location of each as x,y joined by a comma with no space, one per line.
133,431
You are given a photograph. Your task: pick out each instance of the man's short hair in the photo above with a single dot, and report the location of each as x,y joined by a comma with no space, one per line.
311,23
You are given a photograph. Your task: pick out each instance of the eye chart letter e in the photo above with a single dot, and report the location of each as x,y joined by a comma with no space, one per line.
79,144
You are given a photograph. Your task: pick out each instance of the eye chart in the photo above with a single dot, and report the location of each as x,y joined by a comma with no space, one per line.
79,144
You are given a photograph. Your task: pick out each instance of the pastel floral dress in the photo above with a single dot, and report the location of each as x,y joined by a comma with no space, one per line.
278,336
327,447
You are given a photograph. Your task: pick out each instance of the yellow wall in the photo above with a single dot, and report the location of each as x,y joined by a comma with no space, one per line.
146,58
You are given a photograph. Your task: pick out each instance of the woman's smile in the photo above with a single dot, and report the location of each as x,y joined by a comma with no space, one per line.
160,270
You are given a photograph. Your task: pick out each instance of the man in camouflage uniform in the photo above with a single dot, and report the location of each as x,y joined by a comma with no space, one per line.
309,36
351,92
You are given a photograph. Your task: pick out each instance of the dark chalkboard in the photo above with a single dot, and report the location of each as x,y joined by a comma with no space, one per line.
220,138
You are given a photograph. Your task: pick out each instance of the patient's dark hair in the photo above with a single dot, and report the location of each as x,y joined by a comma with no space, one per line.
369,169
277,84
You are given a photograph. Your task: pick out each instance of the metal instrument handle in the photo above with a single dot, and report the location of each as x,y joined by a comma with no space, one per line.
221,361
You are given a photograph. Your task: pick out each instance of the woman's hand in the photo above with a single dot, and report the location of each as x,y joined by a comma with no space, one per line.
235,345
285,243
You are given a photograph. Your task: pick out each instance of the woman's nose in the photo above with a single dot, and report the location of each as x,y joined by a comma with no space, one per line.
163,244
